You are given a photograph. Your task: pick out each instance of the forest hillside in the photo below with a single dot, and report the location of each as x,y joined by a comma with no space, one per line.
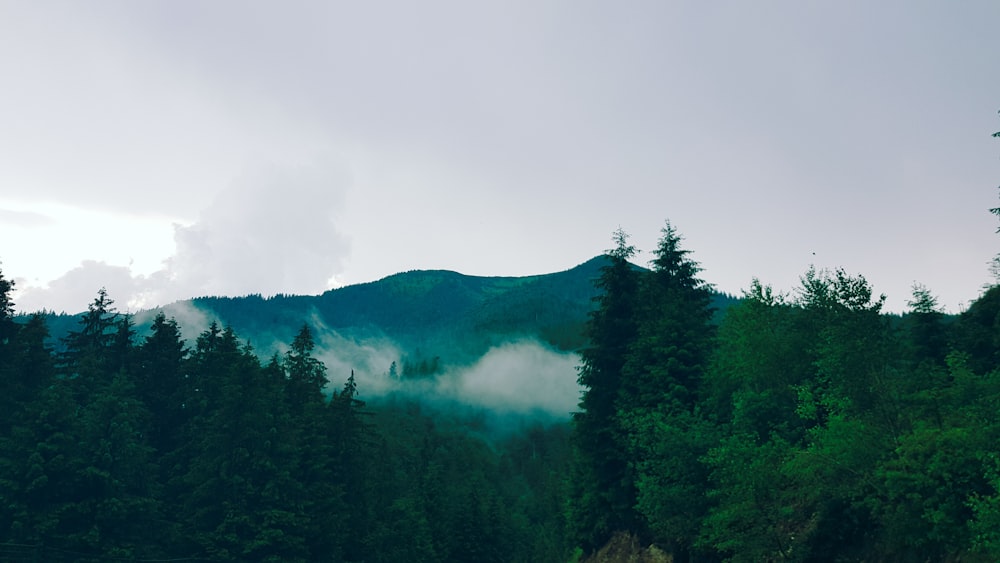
606,412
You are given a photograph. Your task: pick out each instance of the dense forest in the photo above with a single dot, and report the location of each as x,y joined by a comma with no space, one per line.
803,427
124,449
809,426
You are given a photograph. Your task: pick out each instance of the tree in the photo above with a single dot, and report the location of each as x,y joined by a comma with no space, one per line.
658,396
852,406
7,326
603,493
926,327
756,513
161,382
306,374
27,373
675,335
322,494
760,358
350,438
89,356
240,498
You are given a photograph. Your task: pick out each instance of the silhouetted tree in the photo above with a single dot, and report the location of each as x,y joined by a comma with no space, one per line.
603,497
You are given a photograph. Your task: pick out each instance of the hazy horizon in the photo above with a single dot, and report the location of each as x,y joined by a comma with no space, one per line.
168,150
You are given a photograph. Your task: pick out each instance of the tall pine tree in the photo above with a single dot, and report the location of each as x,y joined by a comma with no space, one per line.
602,496
661,382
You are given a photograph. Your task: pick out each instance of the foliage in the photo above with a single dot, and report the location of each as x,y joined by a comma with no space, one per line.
809,426
801,427
118,449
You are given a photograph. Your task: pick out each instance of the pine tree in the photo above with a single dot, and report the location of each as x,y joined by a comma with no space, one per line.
666,434
322,500
350,436
27,372
675,335
7,325
242,502
161,382
603,497
306,374
90,353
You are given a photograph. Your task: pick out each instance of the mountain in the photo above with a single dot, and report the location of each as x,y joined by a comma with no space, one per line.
427,313
436,312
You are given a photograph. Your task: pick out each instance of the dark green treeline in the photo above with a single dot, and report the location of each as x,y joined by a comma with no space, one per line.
125,449
803,427
807,427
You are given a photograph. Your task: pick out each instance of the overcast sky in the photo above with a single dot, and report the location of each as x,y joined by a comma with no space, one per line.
167,149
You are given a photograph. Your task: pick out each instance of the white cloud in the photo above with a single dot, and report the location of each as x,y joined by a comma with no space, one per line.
273,230
24,218
77,288
758,132
520,378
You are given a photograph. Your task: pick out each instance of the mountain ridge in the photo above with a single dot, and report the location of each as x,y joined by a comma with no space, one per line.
425,312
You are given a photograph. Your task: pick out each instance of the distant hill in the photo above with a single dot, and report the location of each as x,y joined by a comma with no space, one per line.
436,312
428,312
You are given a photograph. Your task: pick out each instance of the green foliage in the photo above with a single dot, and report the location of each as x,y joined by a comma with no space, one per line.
794,428
113,449
985,524
638,436
810,427
7,326
667,450
604,491
758,512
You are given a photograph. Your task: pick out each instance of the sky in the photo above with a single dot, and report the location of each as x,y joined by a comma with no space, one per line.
167,149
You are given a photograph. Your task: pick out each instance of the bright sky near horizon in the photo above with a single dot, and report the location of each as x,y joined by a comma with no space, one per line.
167,149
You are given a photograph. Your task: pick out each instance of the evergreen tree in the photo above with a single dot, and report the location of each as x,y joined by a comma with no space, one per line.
322,502
161,382
658,396
90,356
602,496
7,325
241,504
27,373
8,374
674,341
354,468
927,333
120,480
306,374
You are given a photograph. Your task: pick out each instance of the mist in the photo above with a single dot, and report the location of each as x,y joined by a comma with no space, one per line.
522,378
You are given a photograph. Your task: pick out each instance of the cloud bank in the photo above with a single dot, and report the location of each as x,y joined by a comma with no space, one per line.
274,229
520,378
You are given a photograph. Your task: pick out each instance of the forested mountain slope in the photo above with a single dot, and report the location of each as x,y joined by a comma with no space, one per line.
803,427
439,313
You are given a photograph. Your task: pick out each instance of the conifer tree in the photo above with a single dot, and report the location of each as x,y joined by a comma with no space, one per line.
671,351
90,352
603,497
7,325
241,503
306,374
661,382
349,435
27,373
161,382
323,504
